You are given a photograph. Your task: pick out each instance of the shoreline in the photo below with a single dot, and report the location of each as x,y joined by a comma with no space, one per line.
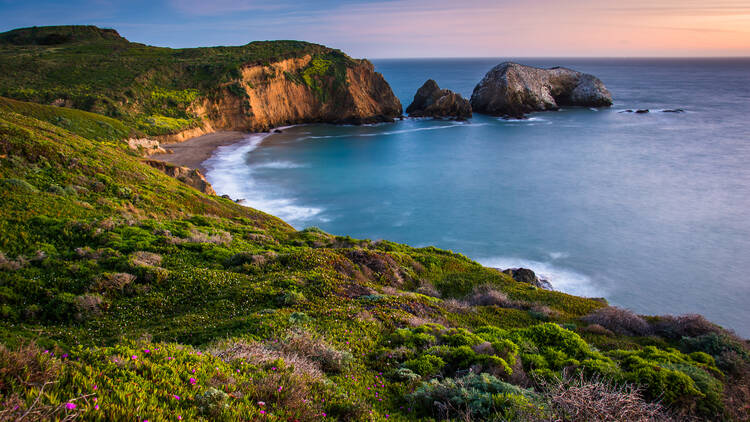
195,151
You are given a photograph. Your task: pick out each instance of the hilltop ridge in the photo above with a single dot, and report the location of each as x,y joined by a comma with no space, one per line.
182,93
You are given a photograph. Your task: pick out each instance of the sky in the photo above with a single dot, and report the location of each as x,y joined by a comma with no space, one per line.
418,28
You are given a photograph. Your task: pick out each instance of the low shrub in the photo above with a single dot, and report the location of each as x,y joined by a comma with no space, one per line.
472,396
621,321
488,296
597,400
690,325
112,282
425,365
26,366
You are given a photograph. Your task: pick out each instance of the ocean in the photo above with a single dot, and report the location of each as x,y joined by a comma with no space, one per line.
651,211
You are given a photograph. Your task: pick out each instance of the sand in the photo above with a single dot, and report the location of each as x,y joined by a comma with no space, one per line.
193,152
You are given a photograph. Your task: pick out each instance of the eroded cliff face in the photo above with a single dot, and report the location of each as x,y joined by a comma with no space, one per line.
186,175
267,96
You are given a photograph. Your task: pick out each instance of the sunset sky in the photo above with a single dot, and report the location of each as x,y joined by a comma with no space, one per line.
418,28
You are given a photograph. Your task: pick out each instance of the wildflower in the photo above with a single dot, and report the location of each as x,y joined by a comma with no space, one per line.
95,387
192,381
179,418
146,351
70,406
96,407
262,412
261,403
176,397
134,357
279,388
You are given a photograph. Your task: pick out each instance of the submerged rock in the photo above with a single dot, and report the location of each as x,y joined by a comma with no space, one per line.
525,275
431,101
512,89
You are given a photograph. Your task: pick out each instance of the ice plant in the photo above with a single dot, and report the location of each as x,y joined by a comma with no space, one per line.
70,406
192,381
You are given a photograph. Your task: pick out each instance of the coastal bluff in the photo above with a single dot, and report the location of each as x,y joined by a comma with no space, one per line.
176,94
512,90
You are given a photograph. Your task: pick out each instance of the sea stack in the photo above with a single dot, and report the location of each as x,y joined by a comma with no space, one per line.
512,89
431,101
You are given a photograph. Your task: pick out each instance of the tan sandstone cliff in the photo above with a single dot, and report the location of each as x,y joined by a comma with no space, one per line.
269,97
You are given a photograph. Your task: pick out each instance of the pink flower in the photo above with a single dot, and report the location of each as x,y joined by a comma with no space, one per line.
261,403
279,388
179,418
176,397
96,407
146,351
95,387
192,381
134,357
70,406
262,412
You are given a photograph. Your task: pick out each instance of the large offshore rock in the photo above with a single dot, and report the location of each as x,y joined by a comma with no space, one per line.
512,89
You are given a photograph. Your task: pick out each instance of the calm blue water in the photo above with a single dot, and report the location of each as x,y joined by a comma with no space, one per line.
651,211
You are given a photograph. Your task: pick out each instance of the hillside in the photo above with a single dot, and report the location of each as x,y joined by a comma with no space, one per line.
187,92
125,294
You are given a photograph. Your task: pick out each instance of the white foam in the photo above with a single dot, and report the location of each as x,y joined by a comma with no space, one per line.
528,120
278,165
562,279
395,132
557,255
229,173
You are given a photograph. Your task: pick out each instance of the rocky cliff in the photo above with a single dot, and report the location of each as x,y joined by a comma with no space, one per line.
431,101
266,96
176,94
512,89
186,175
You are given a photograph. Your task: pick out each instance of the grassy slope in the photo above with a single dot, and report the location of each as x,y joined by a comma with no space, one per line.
149,87
79,211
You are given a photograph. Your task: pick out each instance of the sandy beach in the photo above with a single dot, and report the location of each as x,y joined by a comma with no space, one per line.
193,152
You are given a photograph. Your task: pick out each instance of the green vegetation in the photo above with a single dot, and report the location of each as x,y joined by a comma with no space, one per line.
127,295
149,88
